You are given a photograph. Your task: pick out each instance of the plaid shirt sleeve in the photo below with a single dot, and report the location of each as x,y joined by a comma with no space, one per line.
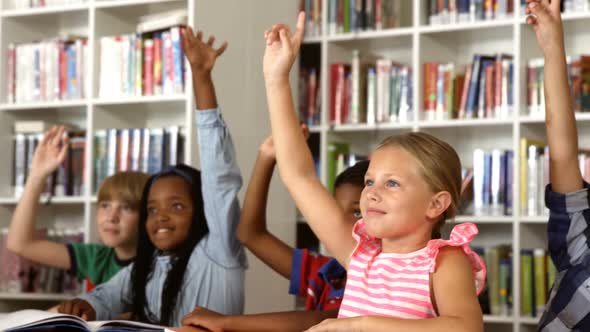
568,308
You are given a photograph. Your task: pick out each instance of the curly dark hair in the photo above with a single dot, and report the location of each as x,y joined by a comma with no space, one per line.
146,251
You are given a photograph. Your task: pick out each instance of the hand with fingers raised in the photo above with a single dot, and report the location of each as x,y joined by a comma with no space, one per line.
545,17
50,153
201,55
77,307
281,50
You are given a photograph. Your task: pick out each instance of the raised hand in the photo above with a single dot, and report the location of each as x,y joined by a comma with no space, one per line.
78,307
50,153
202,317
545,17
201,55
281,50
267,148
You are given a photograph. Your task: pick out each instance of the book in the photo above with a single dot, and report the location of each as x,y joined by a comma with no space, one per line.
527,282
31,320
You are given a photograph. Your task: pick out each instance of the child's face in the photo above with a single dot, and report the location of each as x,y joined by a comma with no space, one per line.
396,198
169,212
348,197
117,223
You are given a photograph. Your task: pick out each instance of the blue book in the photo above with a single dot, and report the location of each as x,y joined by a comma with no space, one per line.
178,57
353,17
509,160
72,84
487,181
473,91
156,150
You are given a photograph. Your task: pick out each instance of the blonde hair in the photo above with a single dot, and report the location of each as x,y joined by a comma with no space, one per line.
439,165
124,186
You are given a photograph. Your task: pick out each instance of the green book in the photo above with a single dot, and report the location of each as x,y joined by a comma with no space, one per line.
493,257
504,286
526,282
346,15
334,150
540,270
551,272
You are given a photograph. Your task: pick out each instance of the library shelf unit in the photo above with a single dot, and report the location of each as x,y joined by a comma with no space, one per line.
416,42
92,19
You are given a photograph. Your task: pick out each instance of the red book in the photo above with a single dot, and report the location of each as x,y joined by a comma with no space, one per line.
148,67
63,71
489,98
458,92
335,70
157,65
378,15
463,104
430,77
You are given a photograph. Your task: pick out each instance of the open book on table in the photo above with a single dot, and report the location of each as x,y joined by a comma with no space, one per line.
32,320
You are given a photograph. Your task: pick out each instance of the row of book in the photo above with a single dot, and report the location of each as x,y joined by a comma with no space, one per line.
534,175
139,149
309,96
23,276
24,4
142,64
379,92
363,15
488,186
46,71
579,79
485,90
462,11
313,17
537,275
68,179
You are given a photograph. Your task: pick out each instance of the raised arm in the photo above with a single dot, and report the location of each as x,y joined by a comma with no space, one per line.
559,114
252,230
220,175
288,321
49,155
294,159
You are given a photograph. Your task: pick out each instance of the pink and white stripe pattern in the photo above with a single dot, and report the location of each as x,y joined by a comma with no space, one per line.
398,285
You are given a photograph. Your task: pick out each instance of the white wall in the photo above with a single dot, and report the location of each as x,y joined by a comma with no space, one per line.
241,95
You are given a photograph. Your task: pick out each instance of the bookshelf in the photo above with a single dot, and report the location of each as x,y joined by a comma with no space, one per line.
416,42
99,18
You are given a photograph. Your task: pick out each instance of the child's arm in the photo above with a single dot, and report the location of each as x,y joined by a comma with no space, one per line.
252,231
456,302
559,114
49,155
220,176
294,159
288,321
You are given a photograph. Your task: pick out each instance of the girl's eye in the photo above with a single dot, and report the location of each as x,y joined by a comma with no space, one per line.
392,183
368,183
357,214
177,206
126,208
104,205
152,210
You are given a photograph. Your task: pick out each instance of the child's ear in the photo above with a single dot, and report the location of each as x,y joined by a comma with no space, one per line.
439,203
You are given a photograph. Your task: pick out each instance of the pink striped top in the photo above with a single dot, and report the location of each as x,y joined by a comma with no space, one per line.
398,285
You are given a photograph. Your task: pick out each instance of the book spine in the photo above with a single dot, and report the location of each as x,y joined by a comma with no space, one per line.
540,272
148,67
178,60
478,182
157,68
138,64
371,95
527,282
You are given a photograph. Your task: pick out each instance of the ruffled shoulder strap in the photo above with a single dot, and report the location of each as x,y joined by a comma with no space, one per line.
365,242
461,236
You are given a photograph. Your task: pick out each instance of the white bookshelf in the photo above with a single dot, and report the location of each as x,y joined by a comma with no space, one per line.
93,19
418,42
234,72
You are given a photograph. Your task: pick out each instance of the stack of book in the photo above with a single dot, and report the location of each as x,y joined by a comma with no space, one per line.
24,4
461,11
492,177
484,91
139,149
309,96
534,175
24,276
313,17
579,77
142,64
363,15
537,277
379,92
68,180
47,71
